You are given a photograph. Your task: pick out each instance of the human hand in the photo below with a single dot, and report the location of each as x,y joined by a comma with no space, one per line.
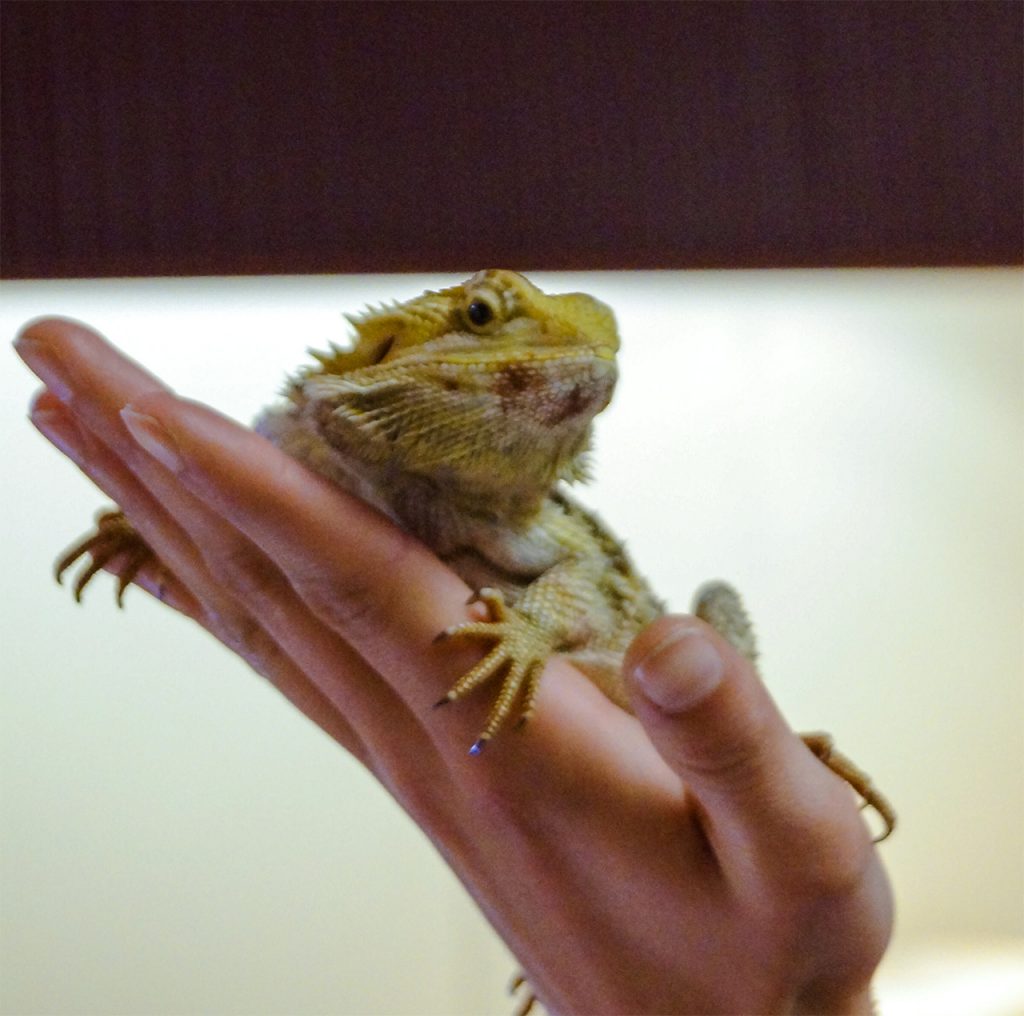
695,857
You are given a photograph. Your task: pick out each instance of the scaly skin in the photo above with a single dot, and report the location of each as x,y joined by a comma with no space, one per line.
460,414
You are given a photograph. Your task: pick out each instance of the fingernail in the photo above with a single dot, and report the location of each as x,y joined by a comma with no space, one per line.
151,435
58,427
38,356
680,670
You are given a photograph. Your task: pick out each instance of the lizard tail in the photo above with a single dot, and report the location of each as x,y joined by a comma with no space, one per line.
720,605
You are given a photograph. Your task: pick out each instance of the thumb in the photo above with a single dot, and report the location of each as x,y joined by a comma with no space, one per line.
712,720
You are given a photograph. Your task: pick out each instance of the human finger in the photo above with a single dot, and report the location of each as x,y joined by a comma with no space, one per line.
56,423
96,380
188,587
767,805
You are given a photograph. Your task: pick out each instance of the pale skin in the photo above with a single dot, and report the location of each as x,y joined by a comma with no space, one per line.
693,858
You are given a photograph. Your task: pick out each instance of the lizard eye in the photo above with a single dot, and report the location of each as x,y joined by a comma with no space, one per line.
479,313
482,312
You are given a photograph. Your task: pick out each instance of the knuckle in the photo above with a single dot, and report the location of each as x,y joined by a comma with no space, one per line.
355,601
243,635
832,854
346,604
737,765
838,856
248,574
738,757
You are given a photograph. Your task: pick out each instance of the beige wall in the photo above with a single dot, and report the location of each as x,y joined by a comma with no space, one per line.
846,446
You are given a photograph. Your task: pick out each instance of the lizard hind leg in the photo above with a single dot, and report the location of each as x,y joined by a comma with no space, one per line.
720,605
113,537
858,780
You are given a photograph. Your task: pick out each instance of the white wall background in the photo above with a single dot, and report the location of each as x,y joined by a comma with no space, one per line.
846,446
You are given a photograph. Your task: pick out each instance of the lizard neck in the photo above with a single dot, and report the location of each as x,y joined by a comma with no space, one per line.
438,508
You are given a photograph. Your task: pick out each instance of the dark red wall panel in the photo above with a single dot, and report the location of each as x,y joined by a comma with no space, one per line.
153,138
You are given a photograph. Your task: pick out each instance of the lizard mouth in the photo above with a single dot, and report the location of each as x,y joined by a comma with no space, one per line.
537,357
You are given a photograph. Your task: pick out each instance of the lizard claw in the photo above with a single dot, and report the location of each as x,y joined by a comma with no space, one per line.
494,600
846,770
113,537
526,1003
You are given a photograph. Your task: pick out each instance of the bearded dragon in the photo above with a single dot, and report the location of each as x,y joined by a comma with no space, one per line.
461,414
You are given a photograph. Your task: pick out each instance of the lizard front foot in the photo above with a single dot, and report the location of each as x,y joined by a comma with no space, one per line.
528,999
114,536
521,648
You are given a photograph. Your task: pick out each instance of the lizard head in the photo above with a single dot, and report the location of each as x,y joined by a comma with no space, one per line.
489,385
